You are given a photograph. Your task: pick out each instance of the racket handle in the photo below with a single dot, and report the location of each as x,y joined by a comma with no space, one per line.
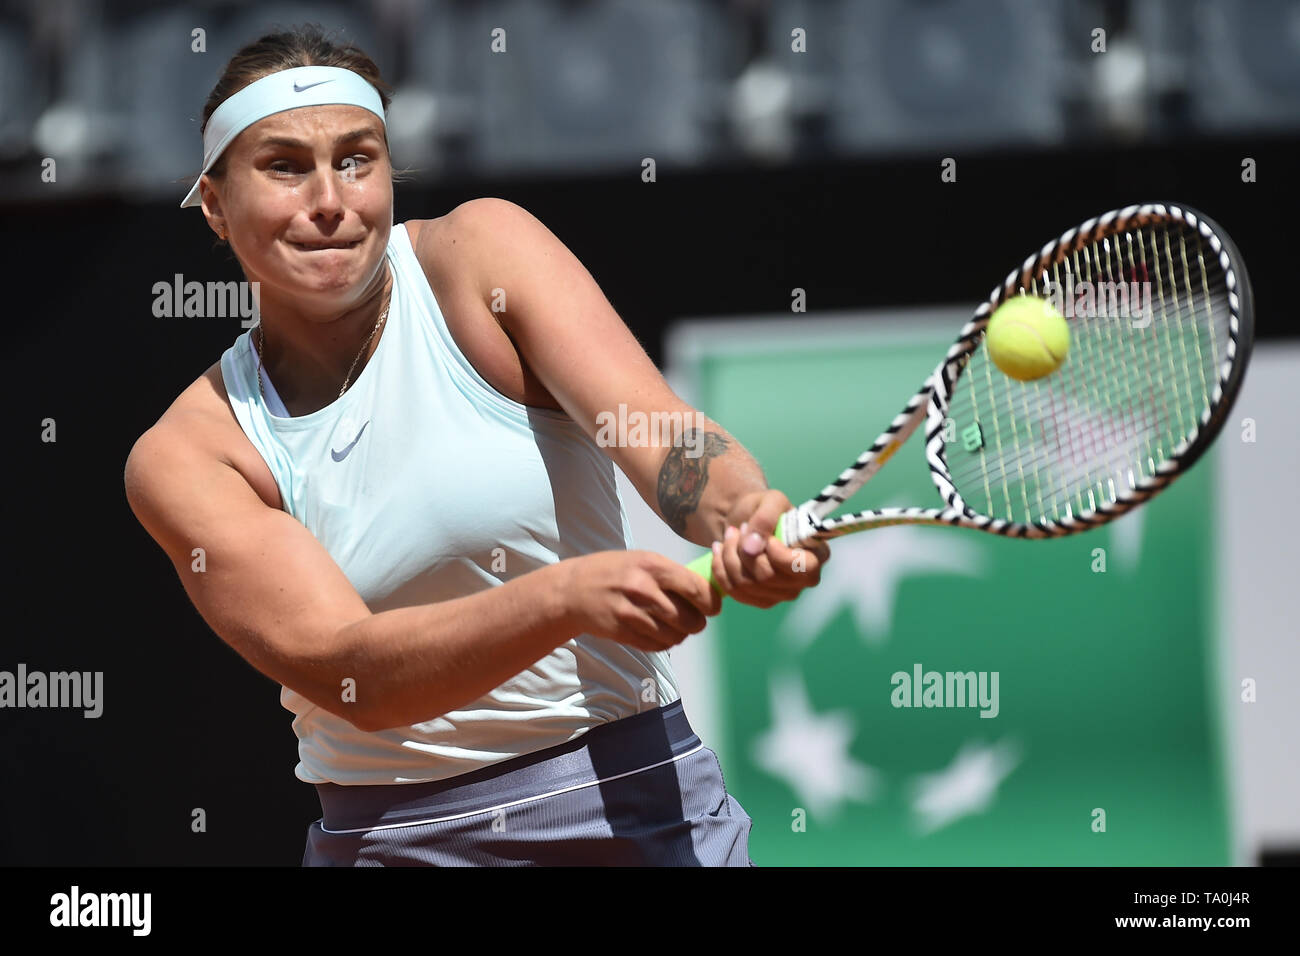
703,565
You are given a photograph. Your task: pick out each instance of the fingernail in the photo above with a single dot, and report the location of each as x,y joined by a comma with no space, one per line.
731,533
717,549
744,527
753,545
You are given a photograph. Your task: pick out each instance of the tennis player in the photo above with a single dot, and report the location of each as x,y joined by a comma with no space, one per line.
408,522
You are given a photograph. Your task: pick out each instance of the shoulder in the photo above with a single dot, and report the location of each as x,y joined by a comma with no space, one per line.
468,256
189,426
196,412
201,422
484,213
478,231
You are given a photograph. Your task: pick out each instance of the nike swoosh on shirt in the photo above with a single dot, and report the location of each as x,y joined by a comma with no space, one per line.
299,89
340,455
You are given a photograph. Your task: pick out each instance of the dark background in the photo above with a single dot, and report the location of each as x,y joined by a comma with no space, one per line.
188,724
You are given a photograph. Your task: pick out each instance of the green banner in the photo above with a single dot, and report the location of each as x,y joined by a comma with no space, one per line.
946,697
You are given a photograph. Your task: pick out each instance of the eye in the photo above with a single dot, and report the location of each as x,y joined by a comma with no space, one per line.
277,164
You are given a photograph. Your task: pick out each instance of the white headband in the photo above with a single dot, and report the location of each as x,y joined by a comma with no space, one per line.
286,90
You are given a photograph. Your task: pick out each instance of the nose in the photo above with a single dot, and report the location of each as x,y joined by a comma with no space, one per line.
326,197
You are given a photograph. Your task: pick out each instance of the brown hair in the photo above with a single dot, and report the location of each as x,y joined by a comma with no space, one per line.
305,45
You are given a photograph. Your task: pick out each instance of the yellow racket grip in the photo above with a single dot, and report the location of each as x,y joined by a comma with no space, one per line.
703,565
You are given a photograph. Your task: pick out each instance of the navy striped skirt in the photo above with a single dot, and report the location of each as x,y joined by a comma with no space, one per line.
641,791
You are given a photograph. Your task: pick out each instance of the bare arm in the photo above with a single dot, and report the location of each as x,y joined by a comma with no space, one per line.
573,340
568,334
272,592
698,495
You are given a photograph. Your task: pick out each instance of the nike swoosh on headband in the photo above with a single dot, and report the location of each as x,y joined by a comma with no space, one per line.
284,90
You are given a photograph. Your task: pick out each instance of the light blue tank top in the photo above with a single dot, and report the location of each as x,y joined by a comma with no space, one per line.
425,484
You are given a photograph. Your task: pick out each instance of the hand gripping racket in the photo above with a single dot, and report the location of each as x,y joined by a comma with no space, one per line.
1161,321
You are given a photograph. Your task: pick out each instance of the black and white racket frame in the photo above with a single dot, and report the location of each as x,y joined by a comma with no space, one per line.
812,520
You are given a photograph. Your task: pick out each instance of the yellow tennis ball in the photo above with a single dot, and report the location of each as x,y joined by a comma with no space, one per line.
1027,338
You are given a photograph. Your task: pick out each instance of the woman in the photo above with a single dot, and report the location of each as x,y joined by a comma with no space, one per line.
406,519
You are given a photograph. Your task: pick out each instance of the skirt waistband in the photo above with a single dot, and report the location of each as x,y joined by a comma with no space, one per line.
613,749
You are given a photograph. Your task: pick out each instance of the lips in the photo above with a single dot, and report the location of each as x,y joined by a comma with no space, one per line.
321,246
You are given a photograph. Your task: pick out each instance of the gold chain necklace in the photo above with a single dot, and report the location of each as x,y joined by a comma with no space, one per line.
261,350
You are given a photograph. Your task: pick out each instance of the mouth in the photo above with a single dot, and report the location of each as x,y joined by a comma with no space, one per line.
322,246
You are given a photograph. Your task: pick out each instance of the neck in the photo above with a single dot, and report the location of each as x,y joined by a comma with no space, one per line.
309,357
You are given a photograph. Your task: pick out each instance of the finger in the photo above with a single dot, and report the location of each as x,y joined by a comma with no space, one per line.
757,567
676,580
651,594
660,634
795,566
665,615
683,599
640,643
761,597
762,523
720,569
817,546
686,617
793,570
737,572
651,645
639,629
712,596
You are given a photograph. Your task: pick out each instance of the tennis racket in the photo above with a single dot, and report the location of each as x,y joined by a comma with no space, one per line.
1145,388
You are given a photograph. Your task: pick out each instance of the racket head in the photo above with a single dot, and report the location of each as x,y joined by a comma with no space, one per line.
1133,405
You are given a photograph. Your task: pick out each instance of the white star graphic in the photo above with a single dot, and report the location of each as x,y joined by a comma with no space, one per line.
864,573
965,786
810,752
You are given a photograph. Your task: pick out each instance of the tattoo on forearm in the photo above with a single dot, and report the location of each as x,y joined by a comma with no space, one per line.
683,477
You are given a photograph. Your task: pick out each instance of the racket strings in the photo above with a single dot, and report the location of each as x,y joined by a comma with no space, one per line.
1149,322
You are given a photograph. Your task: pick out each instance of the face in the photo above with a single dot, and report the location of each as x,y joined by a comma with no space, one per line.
307,203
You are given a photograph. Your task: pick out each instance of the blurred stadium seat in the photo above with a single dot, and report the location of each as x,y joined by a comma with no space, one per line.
348,22
580,85
18,81
1245,65
910,74
113,91
1212,66
157,85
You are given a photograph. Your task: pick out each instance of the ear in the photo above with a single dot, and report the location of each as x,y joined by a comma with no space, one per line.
210,203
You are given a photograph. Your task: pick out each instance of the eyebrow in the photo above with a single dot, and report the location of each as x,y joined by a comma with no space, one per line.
344,138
